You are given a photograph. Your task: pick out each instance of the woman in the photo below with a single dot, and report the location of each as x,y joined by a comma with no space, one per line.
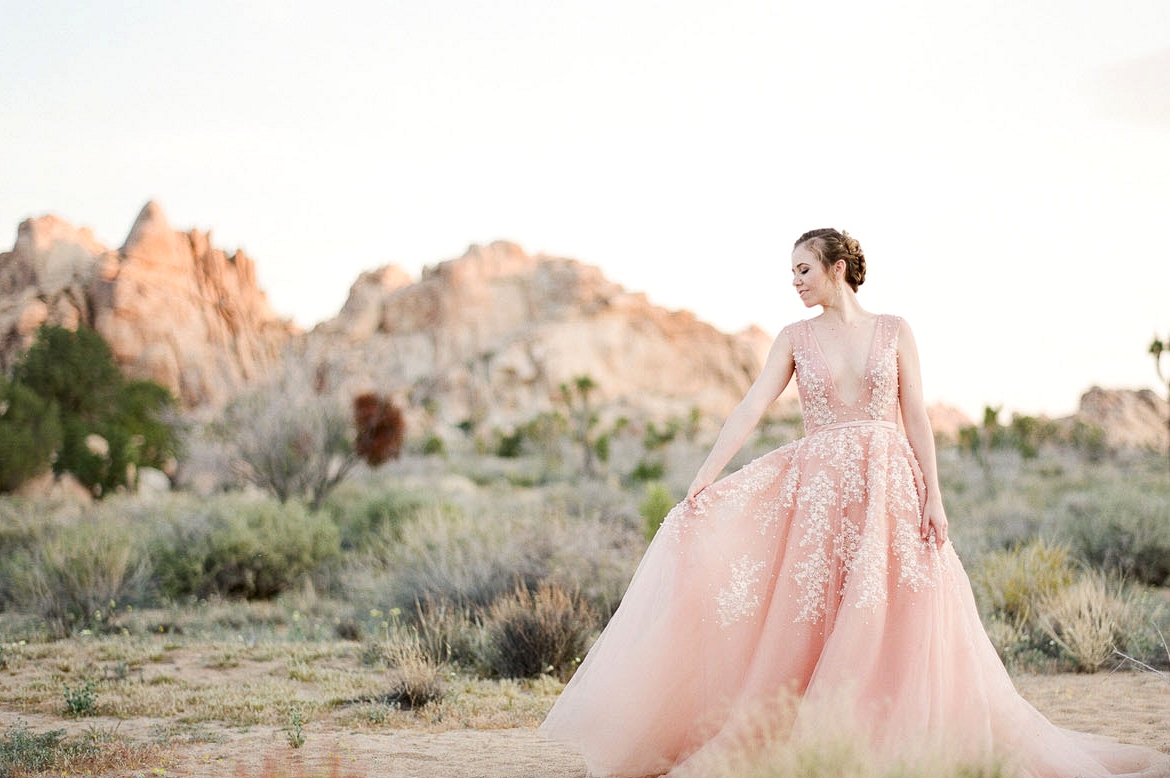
821,570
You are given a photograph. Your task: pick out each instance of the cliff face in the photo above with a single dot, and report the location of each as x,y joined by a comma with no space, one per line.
491,336
173,308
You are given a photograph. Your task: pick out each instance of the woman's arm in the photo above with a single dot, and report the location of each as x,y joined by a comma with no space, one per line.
919,433
773,378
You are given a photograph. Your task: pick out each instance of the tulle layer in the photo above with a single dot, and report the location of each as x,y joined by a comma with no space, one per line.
804,574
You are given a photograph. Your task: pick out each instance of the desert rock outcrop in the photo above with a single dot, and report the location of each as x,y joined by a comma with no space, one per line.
1130,418
491,336
173,308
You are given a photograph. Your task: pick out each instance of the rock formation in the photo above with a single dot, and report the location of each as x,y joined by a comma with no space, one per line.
173,308
1129,418
490,338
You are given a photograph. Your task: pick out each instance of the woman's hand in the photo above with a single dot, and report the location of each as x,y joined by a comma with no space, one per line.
698,485
934,517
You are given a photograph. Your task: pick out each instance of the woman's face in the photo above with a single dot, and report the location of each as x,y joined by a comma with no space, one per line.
813,283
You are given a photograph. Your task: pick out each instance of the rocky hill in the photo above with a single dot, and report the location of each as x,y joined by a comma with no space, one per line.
490,338
487,338
174,308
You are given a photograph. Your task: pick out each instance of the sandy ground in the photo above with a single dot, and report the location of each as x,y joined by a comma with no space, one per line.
1132,706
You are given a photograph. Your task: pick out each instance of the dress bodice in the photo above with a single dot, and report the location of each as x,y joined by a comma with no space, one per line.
819,399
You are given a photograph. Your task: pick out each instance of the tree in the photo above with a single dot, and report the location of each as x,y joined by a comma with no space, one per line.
105,426
584,417
30,434
1157,348
296,443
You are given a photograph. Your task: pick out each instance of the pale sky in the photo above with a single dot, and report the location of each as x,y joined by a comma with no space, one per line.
1005,165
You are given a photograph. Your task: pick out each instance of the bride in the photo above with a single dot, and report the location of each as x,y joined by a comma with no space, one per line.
820,572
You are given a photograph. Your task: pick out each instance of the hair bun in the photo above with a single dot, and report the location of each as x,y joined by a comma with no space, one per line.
832,246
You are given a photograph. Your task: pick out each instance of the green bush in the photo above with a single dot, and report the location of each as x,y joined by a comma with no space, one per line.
239,546
529,633
656,503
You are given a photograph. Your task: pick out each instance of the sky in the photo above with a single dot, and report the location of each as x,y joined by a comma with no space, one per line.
1005,165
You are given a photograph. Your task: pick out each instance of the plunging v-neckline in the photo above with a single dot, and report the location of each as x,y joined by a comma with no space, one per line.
877,324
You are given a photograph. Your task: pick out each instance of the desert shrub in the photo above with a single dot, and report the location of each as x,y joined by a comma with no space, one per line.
97,752
81,699
654,438
1008,583
434,446
510,444
1089,620
447,555
380,429
295,442
546,432
290,441
450,633
417,679
76,574
368,520
1125,530
240,546
648,470
23,752
529,633
656,503
1089,439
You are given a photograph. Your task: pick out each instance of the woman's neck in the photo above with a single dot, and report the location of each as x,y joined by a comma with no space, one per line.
844,310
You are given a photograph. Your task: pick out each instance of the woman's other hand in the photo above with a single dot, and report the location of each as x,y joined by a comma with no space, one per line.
934,518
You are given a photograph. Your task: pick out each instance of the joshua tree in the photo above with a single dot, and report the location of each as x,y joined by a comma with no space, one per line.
1157,348
583,416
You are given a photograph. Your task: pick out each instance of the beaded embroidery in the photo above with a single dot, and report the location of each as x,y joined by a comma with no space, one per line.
740,597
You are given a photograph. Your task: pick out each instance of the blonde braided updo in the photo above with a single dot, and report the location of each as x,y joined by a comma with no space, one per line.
832,246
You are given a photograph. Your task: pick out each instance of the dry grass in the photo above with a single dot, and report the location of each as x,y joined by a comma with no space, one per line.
530,633
192,682
1009,583
1090,620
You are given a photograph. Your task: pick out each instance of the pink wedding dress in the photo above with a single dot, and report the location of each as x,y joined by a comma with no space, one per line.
804,572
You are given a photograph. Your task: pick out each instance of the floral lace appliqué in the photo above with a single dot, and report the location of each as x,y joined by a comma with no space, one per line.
741,596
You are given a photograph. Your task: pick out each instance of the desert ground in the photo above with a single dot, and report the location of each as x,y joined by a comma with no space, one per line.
1130,705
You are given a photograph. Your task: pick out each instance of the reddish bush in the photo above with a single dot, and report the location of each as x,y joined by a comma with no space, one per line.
380,428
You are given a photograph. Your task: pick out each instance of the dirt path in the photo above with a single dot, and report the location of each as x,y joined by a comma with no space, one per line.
1131,706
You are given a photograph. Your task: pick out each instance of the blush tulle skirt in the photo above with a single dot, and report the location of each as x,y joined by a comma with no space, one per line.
798,603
